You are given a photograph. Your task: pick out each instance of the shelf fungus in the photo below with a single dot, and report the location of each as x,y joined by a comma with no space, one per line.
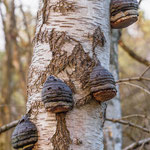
25,135
102,84
56,95
123,13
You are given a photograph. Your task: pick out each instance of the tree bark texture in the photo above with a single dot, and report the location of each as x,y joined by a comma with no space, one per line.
113,132
71,37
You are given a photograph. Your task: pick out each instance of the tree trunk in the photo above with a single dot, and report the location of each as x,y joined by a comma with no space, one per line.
113,132
71,36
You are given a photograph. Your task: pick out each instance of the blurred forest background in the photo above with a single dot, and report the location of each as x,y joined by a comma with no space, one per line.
18,27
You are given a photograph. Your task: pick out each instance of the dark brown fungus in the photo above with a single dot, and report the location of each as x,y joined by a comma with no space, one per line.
25,135
102,84
56,95
123,13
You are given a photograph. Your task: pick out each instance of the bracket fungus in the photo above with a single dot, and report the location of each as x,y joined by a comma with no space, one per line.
25,134
102,84
56,95
123,13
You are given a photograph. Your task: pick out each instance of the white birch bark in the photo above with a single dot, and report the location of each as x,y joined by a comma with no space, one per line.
68,27
113,132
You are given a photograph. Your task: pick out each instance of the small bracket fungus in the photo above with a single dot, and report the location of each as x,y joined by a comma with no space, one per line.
25,135
56,95
123,13
102,84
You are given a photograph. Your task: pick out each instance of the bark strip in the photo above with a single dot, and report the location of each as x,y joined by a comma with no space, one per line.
61,139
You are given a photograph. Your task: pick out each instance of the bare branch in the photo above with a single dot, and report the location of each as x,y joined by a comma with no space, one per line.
133,79
134,55
136,115
8,126
28,34
137,86
129,135
140,2
129,124
25,24
136,78
3,21
142,146
147,69
137,144
140,78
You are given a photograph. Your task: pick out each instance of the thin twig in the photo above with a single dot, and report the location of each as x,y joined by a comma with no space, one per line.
28,33
142,146
130,136
139,78
137,86
133,54
8,126
140,2
25,23
129,124
137,144
133,79
136,115
2,17
145,71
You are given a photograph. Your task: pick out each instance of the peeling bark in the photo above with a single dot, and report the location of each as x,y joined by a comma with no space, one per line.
71,37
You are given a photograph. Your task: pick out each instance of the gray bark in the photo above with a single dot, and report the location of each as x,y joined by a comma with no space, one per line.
113,132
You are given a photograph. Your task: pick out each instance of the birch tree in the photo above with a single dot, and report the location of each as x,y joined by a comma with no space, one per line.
71,36
112,131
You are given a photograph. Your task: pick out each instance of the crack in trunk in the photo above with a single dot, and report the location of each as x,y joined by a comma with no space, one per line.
61,139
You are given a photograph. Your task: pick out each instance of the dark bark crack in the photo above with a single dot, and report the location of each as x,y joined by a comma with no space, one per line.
98,40
61,139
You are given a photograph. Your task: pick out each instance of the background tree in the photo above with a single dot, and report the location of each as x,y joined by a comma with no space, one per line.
113,132
14,62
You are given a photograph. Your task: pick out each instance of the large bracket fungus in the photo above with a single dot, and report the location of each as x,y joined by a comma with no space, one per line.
56,95
25,134
102,84
123,13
